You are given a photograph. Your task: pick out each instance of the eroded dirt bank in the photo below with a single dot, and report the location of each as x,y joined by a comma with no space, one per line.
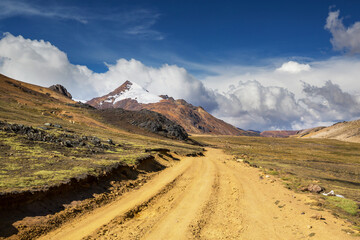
211,197
25,215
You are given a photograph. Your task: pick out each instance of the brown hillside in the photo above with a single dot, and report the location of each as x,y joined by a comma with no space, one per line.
344,131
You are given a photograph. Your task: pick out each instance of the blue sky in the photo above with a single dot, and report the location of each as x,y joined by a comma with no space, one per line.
256,64
157,32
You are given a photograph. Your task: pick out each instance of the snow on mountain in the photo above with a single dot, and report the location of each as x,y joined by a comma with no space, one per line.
131,96
133,91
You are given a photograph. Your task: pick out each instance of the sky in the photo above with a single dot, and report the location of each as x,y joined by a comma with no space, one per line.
262,65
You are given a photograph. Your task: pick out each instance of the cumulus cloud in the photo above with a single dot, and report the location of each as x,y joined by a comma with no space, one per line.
167,79
314,100
343,38
41,63
331,102
293,67
252,105
273,101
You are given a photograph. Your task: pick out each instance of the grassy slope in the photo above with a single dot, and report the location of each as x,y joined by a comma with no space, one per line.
329,163
26,164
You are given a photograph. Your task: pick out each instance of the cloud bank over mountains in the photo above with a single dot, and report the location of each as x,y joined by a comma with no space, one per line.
285,95
265,103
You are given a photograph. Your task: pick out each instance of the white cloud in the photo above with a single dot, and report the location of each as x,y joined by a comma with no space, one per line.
167,79
253,106
141,23
283,101
343,38
331,102
293,67
41,63
274,100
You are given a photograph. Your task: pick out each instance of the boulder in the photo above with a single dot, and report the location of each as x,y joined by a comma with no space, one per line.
61,89
314,188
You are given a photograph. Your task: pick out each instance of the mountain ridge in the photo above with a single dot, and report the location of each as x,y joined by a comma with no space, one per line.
195,120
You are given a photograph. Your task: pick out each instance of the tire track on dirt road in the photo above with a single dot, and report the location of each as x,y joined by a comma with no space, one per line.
211,197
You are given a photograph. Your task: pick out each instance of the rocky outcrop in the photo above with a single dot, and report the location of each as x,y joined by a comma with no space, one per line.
61,89
92,143
314,188
145,119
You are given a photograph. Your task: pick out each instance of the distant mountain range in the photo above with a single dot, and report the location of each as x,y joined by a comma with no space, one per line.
195,120
279,133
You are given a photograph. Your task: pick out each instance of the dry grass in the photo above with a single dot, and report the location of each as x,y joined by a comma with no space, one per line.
332,164
28,164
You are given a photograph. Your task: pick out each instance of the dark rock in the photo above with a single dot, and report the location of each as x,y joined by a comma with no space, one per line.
151,121
68,143
110,141
95,141
57,126
160,150
81,105
61,89
67,140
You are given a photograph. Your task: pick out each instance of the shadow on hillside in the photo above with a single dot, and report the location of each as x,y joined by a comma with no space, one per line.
31,208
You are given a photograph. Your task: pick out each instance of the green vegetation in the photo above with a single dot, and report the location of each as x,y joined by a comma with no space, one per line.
28,164
347,205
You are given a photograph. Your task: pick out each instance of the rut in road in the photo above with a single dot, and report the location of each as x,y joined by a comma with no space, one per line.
211,197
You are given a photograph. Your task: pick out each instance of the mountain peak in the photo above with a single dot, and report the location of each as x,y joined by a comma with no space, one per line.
127,91
123,87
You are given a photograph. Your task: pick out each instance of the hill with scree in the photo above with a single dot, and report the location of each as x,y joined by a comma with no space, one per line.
195,120
344,131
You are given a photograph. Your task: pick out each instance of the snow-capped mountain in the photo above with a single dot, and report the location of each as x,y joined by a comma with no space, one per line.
131,90
127,91
131,96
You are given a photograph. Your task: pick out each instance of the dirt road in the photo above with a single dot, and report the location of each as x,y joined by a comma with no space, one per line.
211,197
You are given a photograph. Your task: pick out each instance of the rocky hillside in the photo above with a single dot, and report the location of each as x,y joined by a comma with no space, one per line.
344,131
56,102
194,120
145,119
